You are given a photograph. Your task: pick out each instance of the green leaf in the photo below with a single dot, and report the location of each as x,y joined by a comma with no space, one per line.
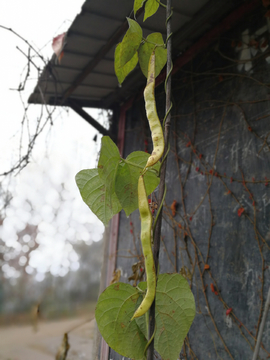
146,50
175,311
151,8
130,42
95,194
122,72
115,307
137,5
108,162
126,181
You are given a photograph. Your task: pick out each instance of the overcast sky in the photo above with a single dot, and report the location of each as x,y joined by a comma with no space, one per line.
61,151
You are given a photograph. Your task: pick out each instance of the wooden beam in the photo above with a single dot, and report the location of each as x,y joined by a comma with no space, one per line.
74,106
99,56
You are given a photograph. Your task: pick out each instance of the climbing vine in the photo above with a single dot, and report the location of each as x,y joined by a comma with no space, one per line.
216,212
122,311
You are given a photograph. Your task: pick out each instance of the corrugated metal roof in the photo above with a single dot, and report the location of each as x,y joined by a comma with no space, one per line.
86,72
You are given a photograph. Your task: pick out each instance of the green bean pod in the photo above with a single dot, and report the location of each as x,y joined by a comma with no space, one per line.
152,116
146,227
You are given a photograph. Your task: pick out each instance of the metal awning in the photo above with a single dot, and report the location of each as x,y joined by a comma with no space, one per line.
85,77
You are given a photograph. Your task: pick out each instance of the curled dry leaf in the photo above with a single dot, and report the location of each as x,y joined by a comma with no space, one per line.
185,272
228,311
63,349
240,211
58,45
116,276
138,272
173,207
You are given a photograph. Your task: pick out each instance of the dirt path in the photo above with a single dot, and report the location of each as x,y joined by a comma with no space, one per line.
21,343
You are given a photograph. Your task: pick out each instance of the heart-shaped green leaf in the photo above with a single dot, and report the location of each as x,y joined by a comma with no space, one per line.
130,42
95,194
151,8
175,311
123,71
115,307
146,50
126,181
137,5
108,162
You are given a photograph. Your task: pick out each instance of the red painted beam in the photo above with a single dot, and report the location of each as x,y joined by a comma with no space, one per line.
114,225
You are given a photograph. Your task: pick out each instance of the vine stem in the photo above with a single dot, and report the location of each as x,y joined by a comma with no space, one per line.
154,171
259,339
157,236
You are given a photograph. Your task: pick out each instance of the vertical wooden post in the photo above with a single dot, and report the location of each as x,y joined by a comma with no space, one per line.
114,224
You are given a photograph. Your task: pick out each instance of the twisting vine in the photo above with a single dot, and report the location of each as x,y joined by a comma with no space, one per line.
161,193
125,183
217,204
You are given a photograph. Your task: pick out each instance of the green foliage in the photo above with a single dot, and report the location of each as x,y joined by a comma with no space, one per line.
131,42
108,162
175,310
96,195
114,310
137,5
123,71
126,184
132,49
151,8
125,52
114,185
146,50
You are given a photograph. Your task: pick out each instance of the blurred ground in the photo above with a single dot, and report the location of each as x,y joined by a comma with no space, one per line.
22,343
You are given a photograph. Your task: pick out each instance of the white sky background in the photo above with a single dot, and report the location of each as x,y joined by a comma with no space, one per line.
61,151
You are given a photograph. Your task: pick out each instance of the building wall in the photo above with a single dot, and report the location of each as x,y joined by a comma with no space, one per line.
218,172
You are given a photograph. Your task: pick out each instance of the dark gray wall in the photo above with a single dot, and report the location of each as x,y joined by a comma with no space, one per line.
223,111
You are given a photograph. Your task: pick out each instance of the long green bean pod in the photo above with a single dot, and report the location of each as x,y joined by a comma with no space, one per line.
152,116
146,226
